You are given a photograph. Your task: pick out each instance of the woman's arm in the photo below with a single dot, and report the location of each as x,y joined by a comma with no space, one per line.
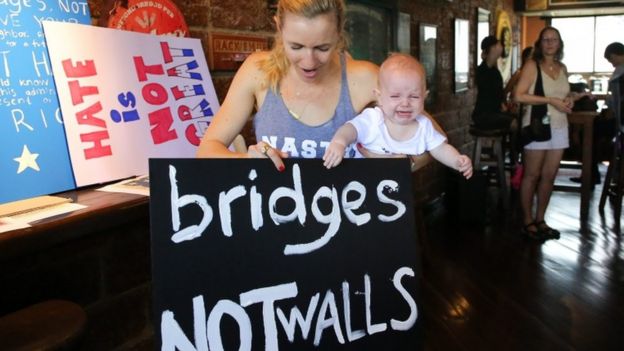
522,95
234,112
511,84
573,95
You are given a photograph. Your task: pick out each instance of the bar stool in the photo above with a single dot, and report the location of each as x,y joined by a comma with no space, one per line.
614,179
494,155
46,326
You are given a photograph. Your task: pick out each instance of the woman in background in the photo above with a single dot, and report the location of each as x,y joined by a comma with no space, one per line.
541,159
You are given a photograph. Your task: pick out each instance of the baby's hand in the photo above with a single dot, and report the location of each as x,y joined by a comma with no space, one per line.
464,166
333,154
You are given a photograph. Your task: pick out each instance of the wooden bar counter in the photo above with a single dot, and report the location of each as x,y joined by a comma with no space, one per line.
97,257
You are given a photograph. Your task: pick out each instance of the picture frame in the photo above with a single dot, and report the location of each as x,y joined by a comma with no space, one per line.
580,2
427,51
534,5
504,33
461,63
483,30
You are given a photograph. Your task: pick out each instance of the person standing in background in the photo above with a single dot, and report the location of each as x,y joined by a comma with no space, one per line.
614,53
606,124
490,107
541,159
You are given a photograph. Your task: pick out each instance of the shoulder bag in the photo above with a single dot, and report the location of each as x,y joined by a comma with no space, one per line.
539,126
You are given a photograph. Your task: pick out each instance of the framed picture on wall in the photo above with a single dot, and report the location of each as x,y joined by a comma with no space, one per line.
504,34
536,5
580,2
483,30
462,54
427,52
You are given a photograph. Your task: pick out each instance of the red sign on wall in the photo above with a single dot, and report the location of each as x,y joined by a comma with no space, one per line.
227,51
159,17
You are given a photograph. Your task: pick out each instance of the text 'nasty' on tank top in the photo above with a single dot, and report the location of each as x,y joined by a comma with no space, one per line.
274,124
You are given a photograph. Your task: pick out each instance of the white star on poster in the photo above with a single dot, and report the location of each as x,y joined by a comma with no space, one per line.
27,160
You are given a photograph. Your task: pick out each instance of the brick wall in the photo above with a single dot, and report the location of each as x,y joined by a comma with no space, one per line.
452,111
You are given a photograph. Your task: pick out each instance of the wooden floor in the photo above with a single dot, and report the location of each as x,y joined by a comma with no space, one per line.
489,288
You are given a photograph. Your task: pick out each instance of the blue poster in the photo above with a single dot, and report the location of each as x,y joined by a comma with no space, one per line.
34,159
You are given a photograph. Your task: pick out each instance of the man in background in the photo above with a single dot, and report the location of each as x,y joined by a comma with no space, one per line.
614,53
607,128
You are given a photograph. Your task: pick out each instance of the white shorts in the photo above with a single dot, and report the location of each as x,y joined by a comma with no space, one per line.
559,139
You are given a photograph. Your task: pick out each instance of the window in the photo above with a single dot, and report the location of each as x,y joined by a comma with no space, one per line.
370,31
585,39
610,29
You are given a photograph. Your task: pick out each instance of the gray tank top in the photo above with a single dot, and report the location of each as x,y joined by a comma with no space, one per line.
274,124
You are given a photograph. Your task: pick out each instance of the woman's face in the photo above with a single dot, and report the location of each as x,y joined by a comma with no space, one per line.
309,43
550,42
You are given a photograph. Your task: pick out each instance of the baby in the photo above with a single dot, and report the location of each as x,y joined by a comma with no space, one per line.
397,125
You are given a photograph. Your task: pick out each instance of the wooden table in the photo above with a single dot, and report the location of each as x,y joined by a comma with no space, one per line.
104,210
97,257
586,120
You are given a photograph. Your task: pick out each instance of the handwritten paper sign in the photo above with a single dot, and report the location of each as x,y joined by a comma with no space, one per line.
33,153
247,258
128,96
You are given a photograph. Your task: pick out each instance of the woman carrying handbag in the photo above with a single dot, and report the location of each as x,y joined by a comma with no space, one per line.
541,157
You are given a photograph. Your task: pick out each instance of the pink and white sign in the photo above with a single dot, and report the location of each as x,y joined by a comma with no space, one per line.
126,97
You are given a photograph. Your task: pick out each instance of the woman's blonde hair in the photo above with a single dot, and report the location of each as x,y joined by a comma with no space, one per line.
276,64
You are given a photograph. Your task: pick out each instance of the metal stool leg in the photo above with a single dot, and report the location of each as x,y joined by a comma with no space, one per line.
615,175
477,153
619,188
607,181
502,178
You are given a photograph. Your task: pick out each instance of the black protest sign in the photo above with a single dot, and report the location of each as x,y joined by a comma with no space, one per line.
248,258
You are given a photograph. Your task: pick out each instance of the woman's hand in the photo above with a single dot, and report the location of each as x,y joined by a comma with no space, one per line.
264,150
569,101
563,105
